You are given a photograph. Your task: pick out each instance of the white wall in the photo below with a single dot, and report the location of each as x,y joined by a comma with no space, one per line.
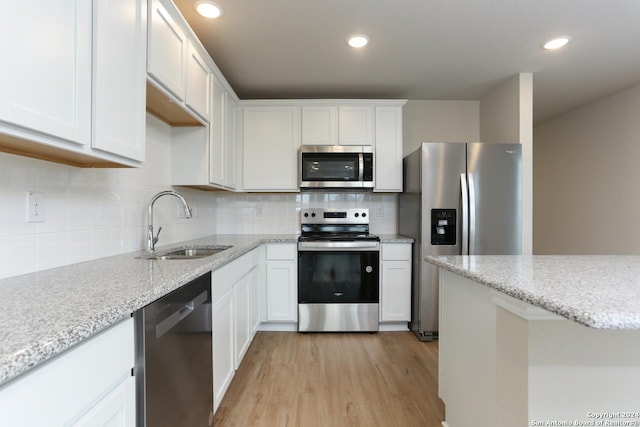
506,116
586,193
439,121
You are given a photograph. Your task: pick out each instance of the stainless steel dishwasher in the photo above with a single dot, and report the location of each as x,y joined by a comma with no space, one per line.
174,372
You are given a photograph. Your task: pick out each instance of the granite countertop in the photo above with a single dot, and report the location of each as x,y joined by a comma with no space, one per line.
394,238
596,291
45,313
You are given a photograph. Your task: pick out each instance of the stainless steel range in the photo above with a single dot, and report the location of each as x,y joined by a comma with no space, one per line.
338,272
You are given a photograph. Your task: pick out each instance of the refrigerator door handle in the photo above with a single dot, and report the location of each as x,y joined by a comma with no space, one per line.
465,214
472,215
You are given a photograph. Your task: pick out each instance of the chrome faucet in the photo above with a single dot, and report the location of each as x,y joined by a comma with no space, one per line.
151,239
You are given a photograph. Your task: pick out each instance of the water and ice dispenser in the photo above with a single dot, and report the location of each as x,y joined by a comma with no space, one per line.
443,226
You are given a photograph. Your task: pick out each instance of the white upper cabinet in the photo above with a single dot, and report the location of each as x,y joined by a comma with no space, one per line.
217,125
178,68
337,124
119,70
73,91
230,132
167,54
188,91
198,86
274,130
46,63
388,149
204,157
271,138
320,125
355,124
222,153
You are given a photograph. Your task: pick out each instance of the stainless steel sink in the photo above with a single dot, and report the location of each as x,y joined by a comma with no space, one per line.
189,253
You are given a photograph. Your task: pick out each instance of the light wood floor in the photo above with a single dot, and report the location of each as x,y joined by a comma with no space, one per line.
307,380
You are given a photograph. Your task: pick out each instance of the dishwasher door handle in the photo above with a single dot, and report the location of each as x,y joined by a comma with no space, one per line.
167,324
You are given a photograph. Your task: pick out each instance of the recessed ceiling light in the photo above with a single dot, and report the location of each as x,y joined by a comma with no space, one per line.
556,42
208,9
358,40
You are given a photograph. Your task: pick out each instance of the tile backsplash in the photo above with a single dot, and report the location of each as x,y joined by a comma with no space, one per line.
239,213
94,213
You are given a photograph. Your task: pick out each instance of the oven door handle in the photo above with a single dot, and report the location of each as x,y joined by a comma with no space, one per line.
331,246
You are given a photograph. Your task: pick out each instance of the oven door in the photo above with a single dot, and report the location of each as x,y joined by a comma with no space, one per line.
338,288
338,276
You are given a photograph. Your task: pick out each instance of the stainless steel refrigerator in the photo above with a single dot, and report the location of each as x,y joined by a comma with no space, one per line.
458,199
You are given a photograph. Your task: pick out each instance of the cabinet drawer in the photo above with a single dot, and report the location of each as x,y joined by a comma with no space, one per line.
285,251
395,252
225,277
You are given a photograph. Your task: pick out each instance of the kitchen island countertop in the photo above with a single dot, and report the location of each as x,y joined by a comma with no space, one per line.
596,291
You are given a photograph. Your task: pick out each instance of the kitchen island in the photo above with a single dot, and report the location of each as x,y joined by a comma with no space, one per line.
539,340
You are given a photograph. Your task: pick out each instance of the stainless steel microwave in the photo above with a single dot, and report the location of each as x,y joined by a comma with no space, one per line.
336,166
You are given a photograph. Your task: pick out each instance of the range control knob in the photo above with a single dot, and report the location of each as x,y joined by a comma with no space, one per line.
306,215
363,214
357,215
313,215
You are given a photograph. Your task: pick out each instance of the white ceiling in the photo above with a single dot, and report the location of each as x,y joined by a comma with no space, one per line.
424,49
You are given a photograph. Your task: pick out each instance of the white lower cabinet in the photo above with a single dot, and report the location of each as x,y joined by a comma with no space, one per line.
233,293
223,363
282,283
115,409
395,282
243,330
89,385
254,290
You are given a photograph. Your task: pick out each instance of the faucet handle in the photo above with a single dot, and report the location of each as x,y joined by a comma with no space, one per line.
156,237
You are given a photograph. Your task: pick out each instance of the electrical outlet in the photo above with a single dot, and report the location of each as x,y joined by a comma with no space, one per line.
35,206
380,211
259,211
